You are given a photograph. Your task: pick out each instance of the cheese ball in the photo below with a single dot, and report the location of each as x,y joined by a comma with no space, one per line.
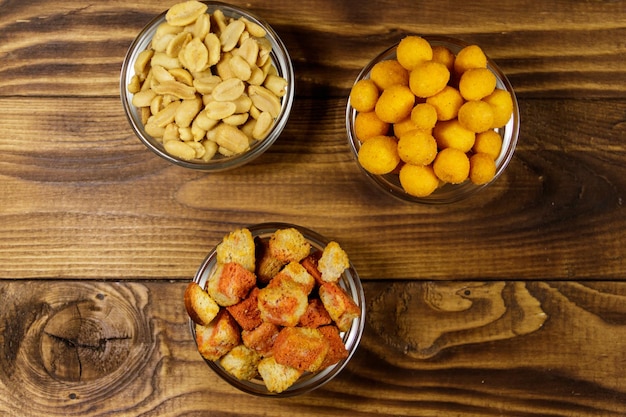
452,166
482,168
367,125
395,104
489,142
428,79
403,126
412,51
447,103
451,134
477,83
476,115
471,56
387,73
501,102
424,116
418,180
363,95
417,147
379,155
444,56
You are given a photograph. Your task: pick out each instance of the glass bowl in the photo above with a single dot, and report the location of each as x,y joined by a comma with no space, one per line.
284,68
349,281
448,193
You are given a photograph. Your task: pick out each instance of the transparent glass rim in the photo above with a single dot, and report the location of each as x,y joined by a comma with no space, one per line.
282,62
448,193
349,281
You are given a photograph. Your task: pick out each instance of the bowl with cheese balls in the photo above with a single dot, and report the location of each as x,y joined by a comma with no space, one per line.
432,120
276,309
207,85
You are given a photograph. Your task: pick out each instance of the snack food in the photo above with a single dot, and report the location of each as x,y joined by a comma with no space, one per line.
288,326
207,84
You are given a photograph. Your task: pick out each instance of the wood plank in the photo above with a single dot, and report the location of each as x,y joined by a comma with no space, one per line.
496,348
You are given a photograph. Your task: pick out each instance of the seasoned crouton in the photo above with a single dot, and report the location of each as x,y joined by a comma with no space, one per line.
230,283
283,304
241,362
301,348
310,264
246,312
337,349
267,266
219,337
201,308
299,275
261,339
340,306
277,377
315,315
238,247
288,245
333,262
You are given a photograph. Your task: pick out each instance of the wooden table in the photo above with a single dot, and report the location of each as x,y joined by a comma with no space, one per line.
511,303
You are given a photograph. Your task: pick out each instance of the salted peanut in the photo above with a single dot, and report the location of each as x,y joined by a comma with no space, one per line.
134,86
242,104
185,134
177,43
276,84
263,126
161,75
156,104
171,133
201,27
180,150
225,152
160,44
197,133
231,138
248,127
210,148
265,49
187,111
253,28
230,35
197,147
176,89
213,45
240,68
205,85
236,119
254,112
143,61
220,20
163,59
147,80
218,110
166,115
222,68
165,29
153,129
182,14
228,90
143,98
249,50
257,76
264,100
182,75
194,56
145,114
204,122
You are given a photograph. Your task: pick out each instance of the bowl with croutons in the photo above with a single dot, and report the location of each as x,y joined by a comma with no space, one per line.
432,119
276,309
207,85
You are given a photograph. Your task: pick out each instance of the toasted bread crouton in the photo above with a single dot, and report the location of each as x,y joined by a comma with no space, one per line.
283,304
241,362
246,312
299,275
230,283
315,315
337,349
333,262
267,266
261,339
219,337
277,377
201,308
288,245
301,348
340,306
238,247
310,264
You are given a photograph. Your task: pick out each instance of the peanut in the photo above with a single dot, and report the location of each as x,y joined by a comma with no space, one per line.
228,90
182,14
231,138
180,149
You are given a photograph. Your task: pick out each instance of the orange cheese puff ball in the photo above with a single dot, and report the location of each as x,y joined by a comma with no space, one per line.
471,56
403,126
451,134
447,103
367,125
428,78
379,155
476,115
489,142
417,147
424,116
412,51
388,73
502,104
444,56
451,165
418,180
482,168
363,95
476,83
395,104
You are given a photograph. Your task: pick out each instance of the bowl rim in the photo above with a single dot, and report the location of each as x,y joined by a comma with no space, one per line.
280,57
448,193
350,281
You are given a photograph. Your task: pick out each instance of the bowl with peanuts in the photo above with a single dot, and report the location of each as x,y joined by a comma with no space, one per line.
432,120
207,85
276,309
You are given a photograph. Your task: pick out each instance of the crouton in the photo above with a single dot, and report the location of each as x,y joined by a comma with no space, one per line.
230,283
288,245
201,308
333,262
267,266
277,377
301,348
299,275
246,312
219,337
310,264
337,349
241,362
261,339
238,247
315,315
340,306
283,304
